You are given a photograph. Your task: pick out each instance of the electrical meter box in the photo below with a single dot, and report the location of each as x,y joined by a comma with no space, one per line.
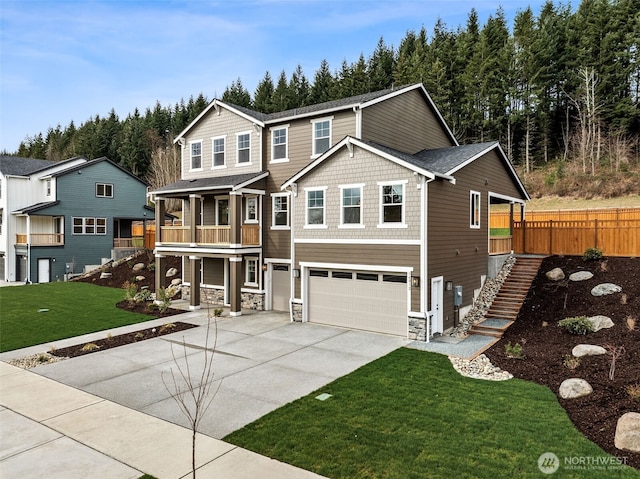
457,296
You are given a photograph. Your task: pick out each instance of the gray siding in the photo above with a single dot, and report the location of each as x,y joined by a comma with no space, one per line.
213,271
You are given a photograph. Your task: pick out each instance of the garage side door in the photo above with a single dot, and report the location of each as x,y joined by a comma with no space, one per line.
281,287
362,300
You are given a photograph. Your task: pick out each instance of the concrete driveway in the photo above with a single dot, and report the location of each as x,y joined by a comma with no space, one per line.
262,361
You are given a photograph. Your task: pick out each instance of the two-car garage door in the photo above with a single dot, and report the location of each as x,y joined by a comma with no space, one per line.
370,301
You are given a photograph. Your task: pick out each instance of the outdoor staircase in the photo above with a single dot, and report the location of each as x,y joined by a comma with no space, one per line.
507,303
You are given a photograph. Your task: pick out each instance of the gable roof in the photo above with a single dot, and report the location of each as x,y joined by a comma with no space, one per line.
18,166
94,162
34,208
232,182
357,101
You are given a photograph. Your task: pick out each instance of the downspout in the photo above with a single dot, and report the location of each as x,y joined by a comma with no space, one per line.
358,112
424,251
28,278
292,249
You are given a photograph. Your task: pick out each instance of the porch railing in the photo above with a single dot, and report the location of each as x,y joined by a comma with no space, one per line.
40,239
500,244
209,235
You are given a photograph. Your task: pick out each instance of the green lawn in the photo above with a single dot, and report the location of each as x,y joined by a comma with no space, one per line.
410,415
73,309
500,232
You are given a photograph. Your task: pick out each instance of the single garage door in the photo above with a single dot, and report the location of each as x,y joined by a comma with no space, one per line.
363,300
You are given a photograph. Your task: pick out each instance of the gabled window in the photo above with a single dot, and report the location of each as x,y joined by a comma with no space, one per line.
244,148
279,145
196,154
280,211
315,207
251,272
351,209
89,226
103,190
219,152
474,209
251,210
392,204
321,136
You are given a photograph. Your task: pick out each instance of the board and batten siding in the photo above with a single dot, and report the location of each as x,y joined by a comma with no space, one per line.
215,125
405,122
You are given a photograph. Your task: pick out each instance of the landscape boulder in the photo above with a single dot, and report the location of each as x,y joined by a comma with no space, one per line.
581,276
574,388
176,281
628,432
600,322
556,274
140,278
588,350
138,267
105,275
605,289
171,272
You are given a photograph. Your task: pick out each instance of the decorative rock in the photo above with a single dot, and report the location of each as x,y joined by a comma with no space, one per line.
171,272
140,278
628,432
556,274
172,290
574,388
138,267
176,281
105,275
581,276
588,350
600,322
479,368
605,288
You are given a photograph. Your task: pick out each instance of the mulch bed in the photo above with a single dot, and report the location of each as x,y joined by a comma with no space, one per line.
546,346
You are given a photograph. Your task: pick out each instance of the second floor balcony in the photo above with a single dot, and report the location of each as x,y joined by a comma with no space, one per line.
40,239
210,235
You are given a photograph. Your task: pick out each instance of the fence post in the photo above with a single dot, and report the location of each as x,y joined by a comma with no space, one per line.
595,229
550,236
524,236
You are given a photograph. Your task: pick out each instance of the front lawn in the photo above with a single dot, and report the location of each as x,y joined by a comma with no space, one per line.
71,308
410,415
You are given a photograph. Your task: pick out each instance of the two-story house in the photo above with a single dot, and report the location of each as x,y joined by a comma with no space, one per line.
363,212
58,218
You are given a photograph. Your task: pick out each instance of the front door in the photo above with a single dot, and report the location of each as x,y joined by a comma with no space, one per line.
436,304
44,270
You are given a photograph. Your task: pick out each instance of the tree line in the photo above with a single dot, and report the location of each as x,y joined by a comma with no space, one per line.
562,84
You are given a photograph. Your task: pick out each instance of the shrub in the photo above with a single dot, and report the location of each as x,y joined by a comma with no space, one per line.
592,254
631,323
166,327
633,390
130,290
90,347
514,351
163,300
579,325
143,296
570,362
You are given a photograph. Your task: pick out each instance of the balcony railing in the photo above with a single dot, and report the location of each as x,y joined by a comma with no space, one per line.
40,239
209,235
500,245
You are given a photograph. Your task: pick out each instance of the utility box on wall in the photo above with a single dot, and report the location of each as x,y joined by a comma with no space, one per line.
457,296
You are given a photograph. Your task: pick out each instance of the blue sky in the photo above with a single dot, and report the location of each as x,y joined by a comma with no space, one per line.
64,60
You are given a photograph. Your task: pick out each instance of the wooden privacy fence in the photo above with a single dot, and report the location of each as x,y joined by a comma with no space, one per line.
500,219
613,237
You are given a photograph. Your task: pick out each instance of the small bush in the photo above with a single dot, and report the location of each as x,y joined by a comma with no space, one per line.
579,325
217,312
570,362
138,336
592,254
631,323
514,351
166,327
163,301
633,390
43,358
143,296
151,267
130,291
90,347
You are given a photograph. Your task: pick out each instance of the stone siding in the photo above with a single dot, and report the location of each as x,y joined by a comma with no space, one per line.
216,296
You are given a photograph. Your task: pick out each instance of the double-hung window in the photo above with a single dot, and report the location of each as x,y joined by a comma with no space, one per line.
474,209
218,152
89,226
351,210
280,211
251,209
392,204
321,136
315,207
251,272
196,155
104,190
279,148
244,148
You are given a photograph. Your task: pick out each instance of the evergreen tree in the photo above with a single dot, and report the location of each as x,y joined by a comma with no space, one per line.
237,94
281,95
323,83
263,97
380,67
299,88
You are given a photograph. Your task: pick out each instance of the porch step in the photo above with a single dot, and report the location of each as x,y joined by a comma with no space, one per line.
507,303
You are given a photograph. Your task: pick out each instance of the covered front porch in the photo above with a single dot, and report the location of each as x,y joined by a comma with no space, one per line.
501,235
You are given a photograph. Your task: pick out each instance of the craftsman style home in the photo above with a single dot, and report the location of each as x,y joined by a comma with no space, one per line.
362,213
58,219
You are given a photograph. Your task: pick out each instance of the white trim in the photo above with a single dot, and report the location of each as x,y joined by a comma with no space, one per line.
272,130
247,260
381,222
240,164
213,152
357,241
322,225
507,198
201,167
360,224
248,220
314,153
437,325
273,211
358,267
472,209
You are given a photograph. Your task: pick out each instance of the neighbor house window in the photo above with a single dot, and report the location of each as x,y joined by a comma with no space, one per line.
89,226
321,136
351,212
218,152
1,215
251,210
280,211
244,148
392,204
103,190
196,155
279,150
48,186
251,272
315,207
474,209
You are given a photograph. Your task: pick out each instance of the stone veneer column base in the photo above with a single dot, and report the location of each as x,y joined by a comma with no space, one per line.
297,312
418,329
215,296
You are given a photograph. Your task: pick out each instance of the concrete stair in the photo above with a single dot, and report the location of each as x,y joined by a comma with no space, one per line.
507,303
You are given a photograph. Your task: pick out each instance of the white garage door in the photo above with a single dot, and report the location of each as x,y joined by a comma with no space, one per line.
363,300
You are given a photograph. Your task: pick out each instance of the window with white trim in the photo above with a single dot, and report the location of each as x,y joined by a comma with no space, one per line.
244,148
103,190
251,272
474,209
89,226
315,207
195,148
279,145
280,211
1,219
392,204
351,210
321,136
48,187
251,209
218,145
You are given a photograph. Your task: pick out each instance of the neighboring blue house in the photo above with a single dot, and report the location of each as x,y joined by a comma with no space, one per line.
63,218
